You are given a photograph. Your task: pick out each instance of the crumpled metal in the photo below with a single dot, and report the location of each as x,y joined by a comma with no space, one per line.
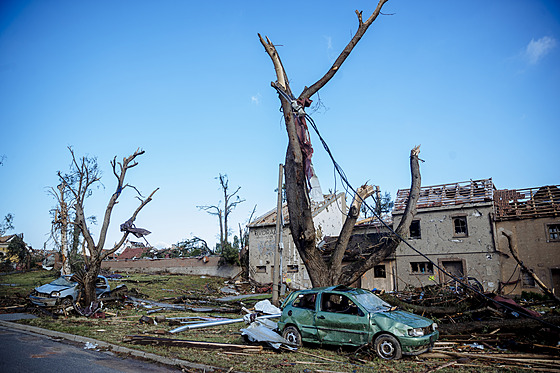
128,226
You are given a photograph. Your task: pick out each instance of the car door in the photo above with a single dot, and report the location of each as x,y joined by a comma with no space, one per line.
303,312
340,320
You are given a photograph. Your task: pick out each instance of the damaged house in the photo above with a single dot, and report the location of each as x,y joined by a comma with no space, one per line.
528,230
329,213
469,229
453,227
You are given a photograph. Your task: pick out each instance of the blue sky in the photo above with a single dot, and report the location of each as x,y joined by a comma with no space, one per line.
476,83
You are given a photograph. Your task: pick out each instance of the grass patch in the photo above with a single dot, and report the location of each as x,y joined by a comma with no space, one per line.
126,322
22,283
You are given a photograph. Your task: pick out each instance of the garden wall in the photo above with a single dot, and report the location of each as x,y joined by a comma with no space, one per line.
207,266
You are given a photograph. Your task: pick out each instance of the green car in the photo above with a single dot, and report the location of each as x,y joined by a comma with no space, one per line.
339,315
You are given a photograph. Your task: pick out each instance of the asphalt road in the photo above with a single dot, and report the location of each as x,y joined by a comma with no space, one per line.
29,352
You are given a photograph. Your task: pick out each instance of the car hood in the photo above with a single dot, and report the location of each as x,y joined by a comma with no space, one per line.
403,317
48,288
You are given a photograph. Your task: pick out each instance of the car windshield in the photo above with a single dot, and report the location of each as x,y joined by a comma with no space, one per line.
372,303
63,281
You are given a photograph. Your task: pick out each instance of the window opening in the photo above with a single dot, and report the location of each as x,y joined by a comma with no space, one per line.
379,271
293,268
460,226
421,267
415,229
554,232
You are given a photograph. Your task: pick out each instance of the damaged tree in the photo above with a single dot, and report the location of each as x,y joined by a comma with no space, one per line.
86,177
231,200
298,169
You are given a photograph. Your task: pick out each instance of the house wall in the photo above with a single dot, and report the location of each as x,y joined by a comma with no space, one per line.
328,222
370,281
534,249
475,252
187,266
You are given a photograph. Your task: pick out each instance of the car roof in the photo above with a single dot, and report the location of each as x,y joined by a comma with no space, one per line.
336,288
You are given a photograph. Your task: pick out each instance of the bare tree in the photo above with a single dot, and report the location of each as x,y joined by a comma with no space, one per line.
329,271
231,200
80,188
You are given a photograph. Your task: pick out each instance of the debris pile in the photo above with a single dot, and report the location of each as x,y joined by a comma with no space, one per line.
465,317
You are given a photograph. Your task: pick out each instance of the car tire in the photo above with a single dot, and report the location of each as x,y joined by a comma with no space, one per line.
387,347
292,334
66,302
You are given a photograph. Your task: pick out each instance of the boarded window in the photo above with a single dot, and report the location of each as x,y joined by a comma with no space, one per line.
421,267
293,268
527,281
379,271
261,269
553,232
460,226
415,229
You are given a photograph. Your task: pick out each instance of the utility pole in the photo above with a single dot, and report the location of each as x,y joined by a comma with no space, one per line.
276,270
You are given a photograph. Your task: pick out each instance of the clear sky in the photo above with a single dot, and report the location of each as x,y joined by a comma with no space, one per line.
477,83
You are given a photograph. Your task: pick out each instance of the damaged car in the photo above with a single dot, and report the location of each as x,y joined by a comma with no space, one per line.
64,292
339,315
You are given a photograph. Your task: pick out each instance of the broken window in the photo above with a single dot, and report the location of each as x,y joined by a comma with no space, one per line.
339,304
527,281
460,226
379,271
293,268
553,232
261,269
306,301
415,229
421,267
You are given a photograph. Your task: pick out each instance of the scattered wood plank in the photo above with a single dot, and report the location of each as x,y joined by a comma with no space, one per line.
147,340
508,358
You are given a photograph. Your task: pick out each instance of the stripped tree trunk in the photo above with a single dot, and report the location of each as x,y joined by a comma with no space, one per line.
327,272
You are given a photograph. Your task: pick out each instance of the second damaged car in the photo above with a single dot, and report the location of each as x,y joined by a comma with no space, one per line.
339,315
63,291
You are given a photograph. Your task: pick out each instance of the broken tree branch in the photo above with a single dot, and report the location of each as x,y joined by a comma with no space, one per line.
362,28
512,244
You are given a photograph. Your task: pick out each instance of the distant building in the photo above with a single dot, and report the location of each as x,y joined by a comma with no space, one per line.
135,250
4,244
328,218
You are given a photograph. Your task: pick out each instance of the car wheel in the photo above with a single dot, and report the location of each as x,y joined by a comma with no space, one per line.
66,302
292,335
387,347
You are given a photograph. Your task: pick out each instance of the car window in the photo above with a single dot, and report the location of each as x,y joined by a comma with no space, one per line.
340,304
63,281
372,303
306,301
